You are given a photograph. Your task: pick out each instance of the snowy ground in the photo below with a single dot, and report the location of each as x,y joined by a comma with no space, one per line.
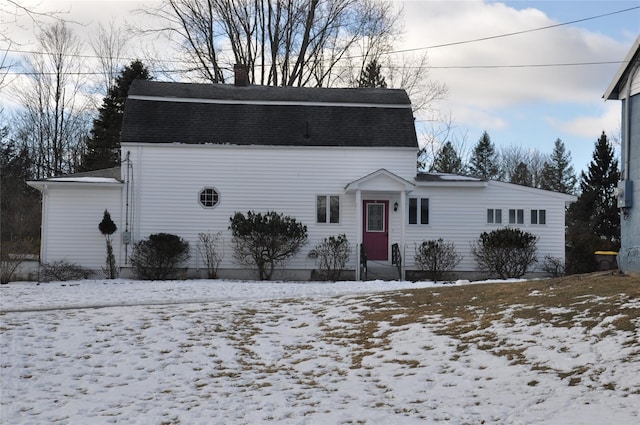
223,352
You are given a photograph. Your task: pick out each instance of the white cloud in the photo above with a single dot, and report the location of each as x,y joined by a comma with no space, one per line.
590,126
431,23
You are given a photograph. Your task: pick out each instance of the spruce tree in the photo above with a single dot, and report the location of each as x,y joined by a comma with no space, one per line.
371,76
103,146
522,175
558,174
485,160
593,220
448,160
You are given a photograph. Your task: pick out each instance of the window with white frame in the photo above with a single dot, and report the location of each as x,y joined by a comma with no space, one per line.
494,216
418,210
538,216
516,216
209,197
328,209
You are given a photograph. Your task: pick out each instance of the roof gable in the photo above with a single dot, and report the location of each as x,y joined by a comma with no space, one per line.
619,82
258,115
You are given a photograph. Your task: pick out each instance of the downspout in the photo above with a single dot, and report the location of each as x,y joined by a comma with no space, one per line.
44,230
358,231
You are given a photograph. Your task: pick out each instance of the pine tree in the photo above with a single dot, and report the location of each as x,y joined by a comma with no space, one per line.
103,147
485,160
448,160
593,220
558,174
522,175
371,76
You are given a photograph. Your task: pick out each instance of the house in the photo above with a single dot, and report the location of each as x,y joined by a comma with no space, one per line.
626,88
341,161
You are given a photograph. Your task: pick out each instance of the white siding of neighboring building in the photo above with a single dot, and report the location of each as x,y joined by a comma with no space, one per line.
283,179
459,215
70,233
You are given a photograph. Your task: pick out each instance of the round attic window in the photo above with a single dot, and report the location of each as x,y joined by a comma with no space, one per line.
209,197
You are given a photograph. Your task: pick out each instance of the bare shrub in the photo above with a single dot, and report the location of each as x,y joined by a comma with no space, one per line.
62,271
332,256
208,249
437,258
553,266
12,255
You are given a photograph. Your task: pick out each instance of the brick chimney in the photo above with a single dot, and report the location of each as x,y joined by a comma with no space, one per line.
240,75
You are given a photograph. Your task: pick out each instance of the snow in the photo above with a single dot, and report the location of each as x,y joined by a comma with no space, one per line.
233,352
84,179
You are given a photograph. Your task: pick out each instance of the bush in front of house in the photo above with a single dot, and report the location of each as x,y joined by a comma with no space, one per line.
332,255
210,253
62,271
265,241
505,253
159,256
437,258
107,227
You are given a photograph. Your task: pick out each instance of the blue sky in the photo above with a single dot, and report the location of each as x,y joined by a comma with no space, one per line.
525,106
529,106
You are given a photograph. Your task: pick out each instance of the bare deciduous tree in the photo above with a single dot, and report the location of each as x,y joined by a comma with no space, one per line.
286,42
109,44
512,156
53,120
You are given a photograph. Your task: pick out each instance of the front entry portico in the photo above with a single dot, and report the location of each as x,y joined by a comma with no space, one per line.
378,225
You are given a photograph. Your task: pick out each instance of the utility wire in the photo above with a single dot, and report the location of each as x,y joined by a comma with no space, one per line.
545,65
436,46
493,37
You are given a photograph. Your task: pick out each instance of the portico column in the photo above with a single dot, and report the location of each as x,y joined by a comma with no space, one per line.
403,227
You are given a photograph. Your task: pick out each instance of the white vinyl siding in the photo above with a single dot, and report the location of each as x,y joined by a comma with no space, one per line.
71,232
259,178
460,214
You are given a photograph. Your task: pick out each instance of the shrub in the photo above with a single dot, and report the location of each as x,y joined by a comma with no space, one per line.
107,227
12,254
505,253
332,256
62,270
208,249
437,258
158,257
553,266
264,241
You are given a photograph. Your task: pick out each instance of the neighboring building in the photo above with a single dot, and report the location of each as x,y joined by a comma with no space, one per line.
342,161
626,87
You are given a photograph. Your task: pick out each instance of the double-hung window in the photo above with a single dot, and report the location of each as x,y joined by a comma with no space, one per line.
328,209
516,216
494,216
538,216
418,210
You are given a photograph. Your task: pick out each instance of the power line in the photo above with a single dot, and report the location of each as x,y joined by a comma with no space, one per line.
493,37
435,46
543,65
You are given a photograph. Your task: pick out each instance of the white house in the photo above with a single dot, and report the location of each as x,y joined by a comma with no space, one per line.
626,88
342,161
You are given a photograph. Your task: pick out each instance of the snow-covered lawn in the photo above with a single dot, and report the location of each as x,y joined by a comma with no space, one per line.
227,352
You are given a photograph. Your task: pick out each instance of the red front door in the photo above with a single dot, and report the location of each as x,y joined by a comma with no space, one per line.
375,236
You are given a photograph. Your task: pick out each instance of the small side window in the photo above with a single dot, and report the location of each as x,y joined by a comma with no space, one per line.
209,197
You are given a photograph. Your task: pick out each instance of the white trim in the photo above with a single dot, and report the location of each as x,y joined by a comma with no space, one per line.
269,102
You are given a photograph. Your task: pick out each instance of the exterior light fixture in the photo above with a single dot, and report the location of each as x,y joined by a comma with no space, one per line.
395,206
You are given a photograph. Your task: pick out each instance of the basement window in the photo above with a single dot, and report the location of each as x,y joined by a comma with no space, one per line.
209,197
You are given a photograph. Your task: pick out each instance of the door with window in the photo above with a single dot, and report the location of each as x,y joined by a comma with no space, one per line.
375,235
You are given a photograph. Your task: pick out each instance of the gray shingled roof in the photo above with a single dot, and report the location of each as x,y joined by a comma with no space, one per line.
159,112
